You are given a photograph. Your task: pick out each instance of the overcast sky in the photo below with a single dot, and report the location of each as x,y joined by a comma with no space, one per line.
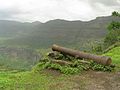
44,10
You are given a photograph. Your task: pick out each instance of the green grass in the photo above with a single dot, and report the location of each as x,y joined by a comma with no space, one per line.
115,55
5,81
37,81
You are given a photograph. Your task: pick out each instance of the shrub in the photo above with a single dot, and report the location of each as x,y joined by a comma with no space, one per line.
115,14
113,35
99,67
69,70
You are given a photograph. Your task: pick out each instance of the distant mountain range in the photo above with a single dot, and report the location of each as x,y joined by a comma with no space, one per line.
63,32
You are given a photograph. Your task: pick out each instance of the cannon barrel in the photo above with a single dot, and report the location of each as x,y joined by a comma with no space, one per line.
104,60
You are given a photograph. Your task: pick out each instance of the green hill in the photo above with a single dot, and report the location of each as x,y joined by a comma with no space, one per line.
13,28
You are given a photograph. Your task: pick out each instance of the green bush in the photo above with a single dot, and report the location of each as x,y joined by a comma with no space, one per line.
99,67
77,67
115,14
69,70
113,35
55,66
63,69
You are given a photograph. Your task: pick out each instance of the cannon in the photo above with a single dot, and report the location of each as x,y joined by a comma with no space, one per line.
104,60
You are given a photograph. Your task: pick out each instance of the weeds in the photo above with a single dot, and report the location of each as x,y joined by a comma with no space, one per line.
76,67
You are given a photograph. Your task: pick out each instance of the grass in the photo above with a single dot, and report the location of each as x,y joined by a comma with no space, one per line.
37,81
5,80
115,55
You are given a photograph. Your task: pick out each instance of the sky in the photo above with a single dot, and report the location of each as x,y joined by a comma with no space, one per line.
44,10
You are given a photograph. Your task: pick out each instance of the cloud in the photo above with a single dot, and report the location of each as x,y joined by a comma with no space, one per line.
44,10
105,2
9,13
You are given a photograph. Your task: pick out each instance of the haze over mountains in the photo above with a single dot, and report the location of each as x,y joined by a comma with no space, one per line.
40,35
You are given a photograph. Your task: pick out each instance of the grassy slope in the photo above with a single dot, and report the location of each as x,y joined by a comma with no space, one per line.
43,81
115,55
37,81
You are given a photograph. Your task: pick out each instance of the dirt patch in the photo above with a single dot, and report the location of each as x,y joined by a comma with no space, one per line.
103,81
52,72
91,80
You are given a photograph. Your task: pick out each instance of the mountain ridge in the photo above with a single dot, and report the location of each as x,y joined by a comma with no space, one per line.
58,31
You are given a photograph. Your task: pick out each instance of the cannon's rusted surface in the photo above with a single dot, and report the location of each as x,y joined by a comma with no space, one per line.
78,54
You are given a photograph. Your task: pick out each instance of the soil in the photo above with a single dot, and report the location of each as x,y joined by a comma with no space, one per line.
103,80
93,80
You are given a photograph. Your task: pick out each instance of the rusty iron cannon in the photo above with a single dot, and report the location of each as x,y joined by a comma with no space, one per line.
104,60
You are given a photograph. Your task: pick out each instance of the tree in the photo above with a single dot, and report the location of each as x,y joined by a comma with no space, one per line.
113,35
115,14
114,26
